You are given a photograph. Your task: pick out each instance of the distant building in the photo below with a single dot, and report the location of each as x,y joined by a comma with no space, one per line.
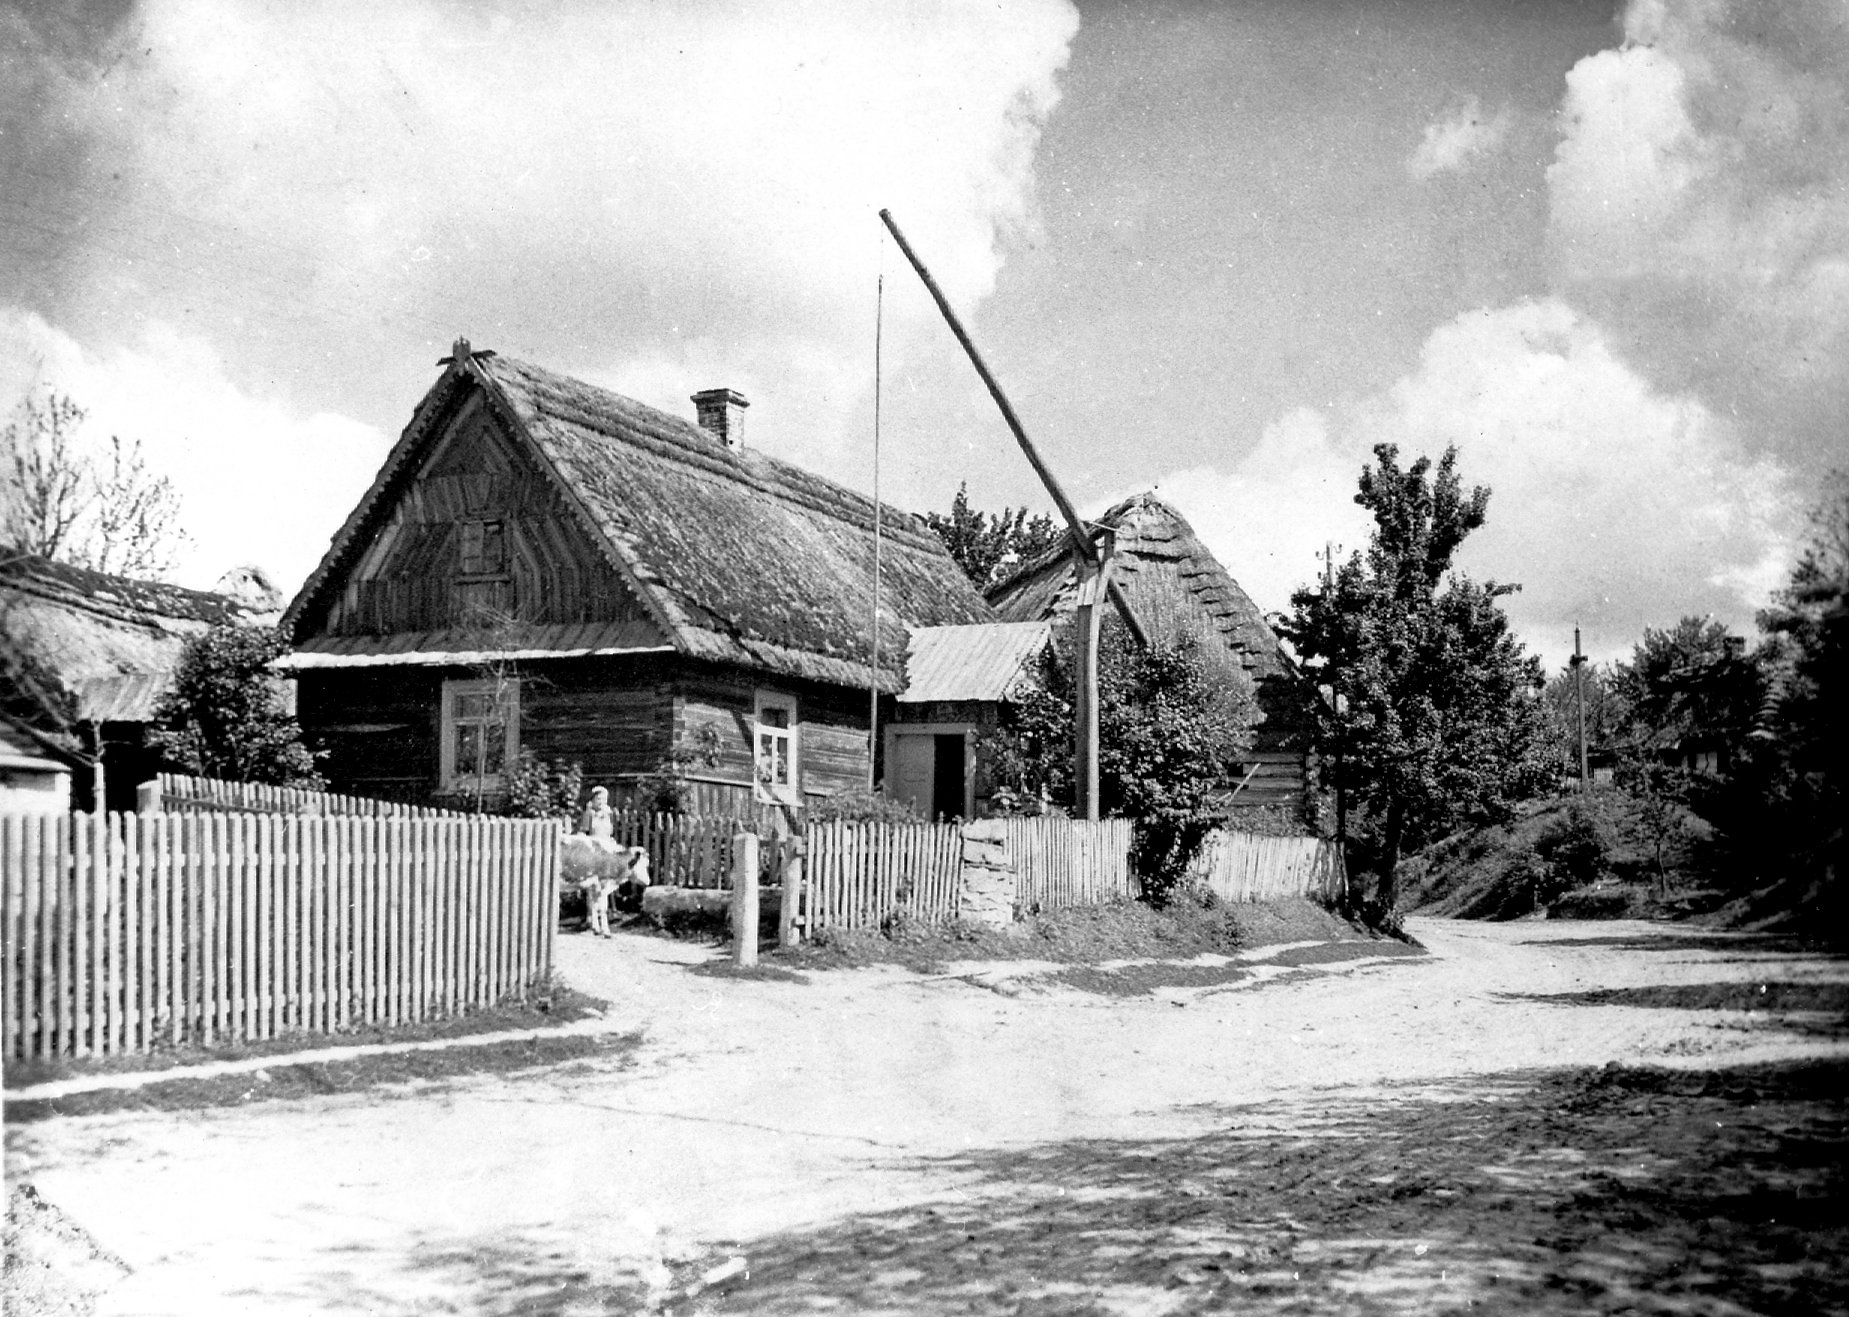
35,775
1179,588
86,657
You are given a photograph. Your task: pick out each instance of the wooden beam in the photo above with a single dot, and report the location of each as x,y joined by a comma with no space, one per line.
1084,549
1085,620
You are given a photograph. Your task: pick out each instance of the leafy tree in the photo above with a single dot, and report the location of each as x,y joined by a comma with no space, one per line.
1168,735
224,716
1429,716
1606,711
984,543
1690,683
1796,759
115,516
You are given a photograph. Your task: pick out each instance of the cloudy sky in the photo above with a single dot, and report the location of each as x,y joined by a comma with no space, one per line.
1217,250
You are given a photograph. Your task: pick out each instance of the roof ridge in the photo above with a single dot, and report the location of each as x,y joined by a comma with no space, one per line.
683,441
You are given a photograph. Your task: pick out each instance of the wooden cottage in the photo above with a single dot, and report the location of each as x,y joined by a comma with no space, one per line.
545,566
1178,587
85,658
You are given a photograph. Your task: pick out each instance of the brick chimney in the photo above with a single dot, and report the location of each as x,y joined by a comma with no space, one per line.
722,412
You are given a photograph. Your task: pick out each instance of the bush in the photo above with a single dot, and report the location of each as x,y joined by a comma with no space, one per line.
1164,845
667,790
1575,848
862,806
544,788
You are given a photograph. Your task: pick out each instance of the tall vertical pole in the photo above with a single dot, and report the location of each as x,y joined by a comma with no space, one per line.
1086,625
99,783
1579,699
873,680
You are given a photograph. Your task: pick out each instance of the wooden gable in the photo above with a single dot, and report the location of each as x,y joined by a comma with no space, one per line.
476,537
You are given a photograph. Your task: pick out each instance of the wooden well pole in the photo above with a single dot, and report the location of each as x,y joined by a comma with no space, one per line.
1083,547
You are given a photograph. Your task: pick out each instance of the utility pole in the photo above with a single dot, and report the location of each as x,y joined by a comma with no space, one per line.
1579,700
1335,707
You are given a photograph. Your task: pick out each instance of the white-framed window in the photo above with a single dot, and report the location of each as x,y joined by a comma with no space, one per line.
775,746
481,733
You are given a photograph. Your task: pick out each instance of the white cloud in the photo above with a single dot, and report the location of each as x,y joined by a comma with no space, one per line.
660,198
257,480
1450,142
1269,518
598,185
1613,504
1699,206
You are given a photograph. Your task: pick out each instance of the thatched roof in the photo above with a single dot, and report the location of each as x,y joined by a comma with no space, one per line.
86,645
734,555
1171,578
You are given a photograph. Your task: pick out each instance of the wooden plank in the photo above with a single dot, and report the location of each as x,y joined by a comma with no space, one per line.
101,922
141,959
257,915
34,1015
16,942
524,911
521,922
416,858
16,938
167,967
391,855
77,972
115,885
446,916
52,972
364,843
549,927
427,906
215,951
23,869
503,876
478,897
293,873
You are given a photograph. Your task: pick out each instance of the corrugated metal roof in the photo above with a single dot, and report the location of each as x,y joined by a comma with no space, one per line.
128,697
984,661
458,647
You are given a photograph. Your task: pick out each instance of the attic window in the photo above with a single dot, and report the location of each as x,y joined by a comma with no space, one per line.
484,548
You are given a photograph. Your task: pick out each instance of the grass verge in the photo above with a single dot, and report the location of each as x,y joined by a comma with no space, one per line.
547,1010
1128,930
326,1078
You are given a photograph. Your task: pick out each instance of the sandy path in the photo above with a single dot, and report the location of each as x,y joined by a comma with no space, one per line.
757,1107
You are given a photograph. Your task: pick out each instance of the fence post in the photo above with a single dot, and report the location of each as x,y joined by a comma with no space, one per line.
788,934
745,899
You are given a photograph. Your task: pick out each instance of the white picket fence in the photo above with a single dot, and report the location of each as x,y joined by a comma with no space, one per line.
1242,866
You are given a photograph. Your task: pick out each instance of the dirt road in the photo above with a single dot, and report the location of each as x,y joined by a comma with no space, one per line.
1368,1135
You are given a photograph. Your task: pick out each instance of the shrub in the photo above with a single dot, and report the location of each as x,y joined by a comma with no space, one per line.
1163,846
667,790
862,806
1576,848
544,788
